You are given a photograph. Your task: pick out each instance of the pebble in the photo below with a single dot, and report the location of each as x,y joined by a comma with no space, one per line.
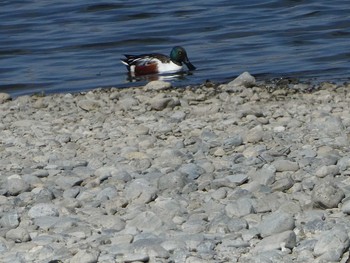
238,172
157,85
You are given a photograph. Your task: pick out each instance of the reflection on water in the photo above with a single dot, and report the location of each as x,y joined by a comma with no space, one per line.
165,77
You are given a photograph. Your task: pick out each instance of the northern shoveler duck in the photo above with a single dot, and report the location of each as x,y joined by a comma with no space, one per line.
158,63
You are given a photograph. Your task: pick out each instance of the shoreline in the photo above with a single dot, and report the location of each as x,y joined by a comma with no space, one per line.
235,172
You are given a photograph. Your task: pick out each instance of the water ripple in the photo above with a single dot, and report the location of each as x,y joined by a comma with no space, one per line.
73,46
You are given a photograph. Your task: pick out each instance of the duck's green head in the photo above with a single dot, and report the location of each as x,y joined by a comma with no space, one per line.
178,55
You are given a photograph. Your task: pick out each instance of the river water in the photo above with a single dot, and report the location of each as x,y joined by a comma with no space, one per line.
70,46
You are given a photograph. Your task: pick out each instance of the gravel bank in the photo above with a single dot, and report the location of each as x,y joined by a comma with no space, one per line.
238,172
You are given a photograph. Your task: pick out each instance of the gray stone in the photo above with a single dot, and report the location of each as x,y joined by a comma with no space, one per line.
282,184
332,244
285,165
326,195
86,256
9,220
127,103
16,185
282,240
327,170
18,235
140,191
239,208
4,97
43,209
266,175
135,257
172,181
344,163
160,102
46,222
346,207
157,85
275,223
245,80
255,134
191,170
146,222
89,105
233,141
223,224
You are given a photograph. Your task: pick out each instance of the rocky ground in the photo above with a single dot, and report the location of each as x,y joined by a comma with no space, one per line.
237,172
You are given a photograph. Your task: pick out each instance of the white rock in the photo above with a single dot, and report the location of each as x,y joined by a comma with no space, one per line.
245,80
157,85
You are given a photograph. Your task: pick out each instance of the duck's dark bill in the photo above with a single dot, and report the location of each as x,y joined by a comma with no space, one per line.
190,66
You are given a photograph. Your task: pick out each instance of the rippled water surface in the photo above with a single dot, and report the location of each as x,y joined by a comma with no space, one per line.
69,46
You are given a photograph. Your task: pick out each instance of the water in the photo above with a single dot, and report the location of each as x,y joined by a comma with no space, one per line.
70,46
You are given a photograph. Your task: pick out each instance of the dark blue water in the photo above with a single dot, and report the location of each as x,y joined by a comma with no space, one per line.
69,46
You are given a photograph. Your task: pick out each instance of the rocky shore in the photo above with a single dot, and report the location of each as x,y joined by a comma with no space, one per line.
236,172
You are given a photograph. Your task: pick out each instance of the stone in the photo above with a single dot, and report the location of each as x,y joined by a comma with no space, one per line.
327,170
18,235
191,171
346,207
160,102
141,191
239,208
281,241
43,209
172,181
89,105
255,134
326,195
157,85
266,175
9,220
332,244
16,185
86,256
4,97
245,80
285,165
275,223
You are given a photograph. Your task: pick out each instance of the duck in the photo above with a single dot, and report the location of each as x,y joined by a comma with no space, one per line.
156,63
